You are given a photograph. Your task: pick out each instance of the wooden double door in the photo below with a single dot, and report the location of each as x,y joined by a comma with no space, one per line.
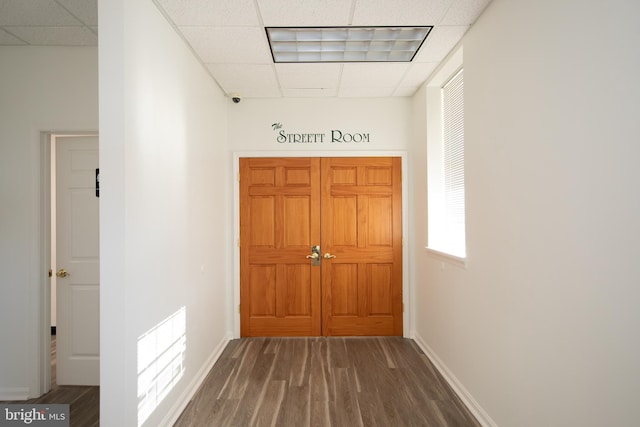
320,246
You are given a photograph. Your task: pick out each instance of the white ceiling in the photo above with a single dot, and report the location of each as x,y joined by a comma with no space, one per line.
230,39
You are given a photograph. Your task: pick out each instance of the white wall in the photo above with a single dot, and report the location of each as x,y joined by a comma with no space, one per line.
164,180
386,120
541,327
41,89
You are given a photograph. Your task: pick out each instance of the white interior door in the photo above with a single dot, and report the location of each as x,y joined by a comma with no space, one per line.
77,255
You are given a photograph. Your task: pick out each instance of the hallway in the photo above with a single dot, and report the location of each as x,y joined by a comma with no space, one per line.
324,382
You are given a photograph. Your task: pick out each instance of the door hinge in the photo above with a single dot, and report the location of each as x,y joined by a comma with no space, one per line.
238,308
403,307
50,273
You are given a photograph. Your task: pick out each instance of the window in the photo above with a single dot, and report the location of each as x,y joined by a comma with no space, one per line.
453,158
445,159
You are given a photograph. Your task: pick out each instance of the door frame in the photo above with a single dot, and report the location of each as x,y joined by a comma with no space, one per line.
407,291
47,149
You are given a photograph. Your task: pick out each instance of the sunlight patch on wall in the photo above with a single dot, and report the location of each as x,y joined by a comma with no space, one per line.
161,353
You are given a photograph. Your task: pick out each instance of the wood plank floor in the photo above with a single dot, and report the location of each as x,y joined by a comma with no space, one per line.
342,382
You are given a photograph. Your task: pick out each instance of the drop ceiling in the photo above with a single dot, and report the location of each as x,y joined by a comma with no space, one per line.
229,38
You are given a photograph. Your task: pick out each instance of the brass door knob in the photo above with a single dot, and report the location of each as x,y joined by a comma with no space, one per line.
327,255
62,273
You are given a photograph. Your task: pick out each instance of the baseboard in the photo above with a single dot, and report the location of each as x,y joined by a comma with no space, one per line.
481,415
15,393
182,402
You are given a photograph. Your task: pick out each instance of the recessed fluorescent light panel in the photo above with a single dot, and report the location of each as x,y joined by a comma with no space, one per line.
346,44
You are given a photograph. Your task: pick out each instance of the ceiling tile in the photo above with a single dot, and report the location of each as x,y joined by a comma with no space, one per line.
372,75
406,91
84,10
229,36
7,39
439,43
464,12
309,76
256,79
262,92
207,12
34,12
310,93
287,13
365,92
56,36
418,73
246,45
399,12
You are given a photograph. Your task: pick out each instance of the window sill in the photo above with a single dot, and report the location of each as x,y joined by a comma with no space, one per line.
451,259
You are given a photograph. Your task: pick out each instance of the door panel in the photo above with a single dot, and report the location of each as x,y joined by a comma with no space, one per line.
284,204
77,253
362,228
298,301
279,222
344,289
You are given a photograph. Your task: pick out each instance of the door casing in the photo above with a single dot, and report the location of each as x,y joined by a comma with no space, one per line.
407,291
43,346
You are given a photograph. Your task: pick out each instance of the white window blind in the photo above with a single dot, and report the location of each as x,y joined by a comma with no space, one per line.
453,157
